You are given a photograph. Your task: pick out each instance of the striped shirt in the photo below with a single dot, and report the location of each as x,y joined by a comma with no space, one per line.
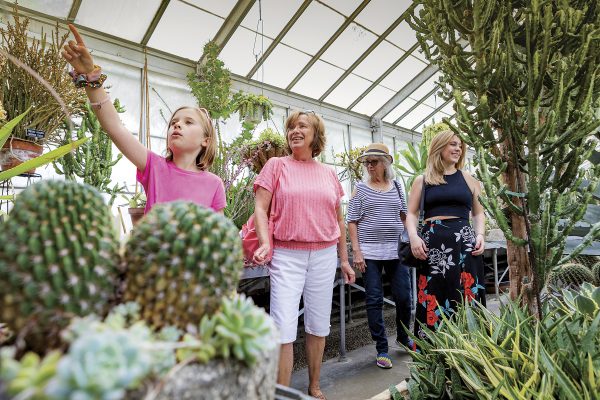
377,215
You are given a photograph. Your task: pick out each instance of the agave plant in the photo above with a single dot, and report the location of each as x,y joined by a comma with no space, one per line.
416,157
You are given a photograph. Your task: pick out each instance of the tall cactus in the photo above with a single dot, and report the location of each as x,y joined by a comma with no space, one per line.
525,76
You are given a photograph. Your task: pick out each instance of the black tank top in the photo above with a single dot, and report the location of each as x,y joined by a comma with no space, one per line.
454,198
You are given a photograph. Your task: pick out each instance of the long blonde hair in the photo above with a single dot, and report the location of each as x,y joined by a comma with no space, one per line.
434,172
206,155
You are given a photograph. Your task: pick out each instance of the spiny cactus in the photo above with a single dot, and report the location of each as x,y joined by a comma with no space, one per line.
596,273
181,259
59,257
569,274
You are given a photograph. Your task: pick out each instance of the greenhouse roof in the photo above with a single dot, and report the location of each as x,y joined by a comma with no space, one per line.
360,55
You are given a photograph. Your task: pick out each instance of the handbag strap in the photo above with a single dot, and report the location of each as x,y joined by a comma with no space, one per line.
279,168
421,219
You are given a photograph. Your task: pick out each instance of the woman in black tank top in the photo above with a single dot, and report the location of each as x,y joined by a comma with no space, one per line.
451,248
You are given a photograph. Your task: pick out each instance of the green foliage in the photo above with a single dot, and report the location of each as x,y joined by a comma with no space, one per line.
268,144
525,77
212,84
430,131
352,168
596,273
238,330
59,257
251,107
29,375
569,274
181,259
416,157
93,162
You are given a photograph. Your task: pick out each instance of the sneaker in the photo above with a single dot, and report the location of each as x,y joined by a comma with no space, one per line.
384,361
402,346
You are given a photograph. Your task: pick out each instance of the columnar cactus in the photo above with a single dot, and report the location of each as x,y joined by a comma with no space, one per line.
596,273
59,257
181,259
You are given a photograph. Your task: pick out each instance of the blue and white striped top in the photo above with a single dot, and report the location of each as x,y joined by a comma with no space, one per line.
377,215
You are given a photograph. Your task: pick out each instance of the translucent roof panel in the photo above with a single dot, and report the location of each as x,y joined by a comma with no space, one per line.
449,109
222,7
282,66
380,59
114,17
317,79
435,100
399,110
345,7
374,100
416,116
348,90
240,53
378,15
275,14
403,36
183,30
349,46
56,8
404,73
303,35
426,87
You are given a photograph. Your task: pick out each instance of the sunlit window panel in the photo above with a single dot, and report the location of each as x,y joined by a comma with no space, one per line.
425,88
183,30
56,8
378,15
348,90
337,140
403,73
303,35
416,116
222,7
435,100
317,79
374,100
360,136
403,36
376,63
275,14
399,110
114,17
282,66
345,7
449,109
389,142
349,46
243,50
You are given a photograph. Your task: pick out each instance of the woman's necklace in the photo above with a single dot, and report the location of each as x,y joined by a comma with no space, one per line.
379,187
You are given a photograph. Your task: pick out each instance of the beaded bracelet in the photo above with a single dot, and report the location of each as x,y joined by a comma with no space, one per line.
98,105
93,79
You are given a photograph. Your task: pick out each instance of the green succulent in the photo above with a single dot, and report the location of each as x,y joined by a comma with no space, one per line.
596,273
29,375
59,257
181,259
569,275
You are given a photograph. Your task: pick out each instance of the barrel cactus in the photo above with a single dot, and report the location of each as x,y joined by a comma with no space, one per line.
596,273
181,259
59,257
569,275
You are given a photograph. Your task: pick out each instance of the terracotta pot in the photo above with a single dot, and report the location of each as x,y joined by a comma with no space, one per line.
17,151
136,214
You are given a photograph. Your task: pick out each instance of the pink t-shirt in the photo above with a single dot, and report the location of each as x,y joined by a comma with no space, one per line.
306,200
163,182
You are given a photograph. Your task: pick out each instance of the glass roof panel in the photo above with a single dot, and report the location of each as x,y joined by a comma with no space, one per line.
415,116
374,100
346,7
275,14
448,109
435,100
426,87
403,36
378,15
183,30
303,35
348,90
240,53
399,110
282,66
222,7
114,17
349,46
404,73
378,61
56,8
317,79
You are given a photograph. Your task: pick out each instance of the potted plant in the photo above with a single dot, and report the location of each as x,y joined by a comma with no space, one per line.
252,108
136,205
269,144
21,91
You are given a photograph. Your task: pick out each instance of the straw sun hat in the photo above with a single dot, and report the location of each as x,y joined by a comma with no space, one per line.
376,149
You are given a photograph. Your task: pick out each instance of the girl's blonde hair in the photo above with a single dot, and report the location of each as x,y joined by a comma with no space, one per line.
434,172
206,155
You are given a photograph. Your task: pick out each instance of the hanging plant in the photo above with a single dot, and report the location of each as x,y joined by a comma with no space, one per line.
269,144
252,108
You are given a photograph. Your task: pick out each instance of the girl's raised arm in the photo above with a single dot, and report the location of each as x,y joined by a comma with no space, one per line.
77,54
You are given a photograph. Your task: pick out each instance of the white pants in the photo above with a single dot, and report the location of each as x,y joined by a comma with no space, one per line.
308,273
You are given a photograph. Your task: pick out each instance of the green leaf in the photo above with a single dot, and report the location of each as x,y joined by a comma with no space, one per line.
41,160
7,128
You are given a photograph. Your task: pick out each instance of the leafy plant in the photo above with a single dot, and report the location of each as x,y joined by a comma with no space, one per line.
429,131
28,377
269,144
416,157
252,108
352,169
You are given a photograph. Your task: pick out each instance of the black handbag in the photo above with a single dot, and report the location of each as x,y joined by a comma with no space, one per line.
405,254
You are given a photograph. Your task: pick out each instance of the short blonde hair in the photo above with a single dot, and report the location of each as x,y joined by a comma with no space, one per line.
318,143
206,155
434,172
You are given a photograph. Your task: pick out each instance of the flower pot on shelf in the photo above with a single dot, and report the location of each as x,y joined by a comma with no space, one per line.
136,214
16,151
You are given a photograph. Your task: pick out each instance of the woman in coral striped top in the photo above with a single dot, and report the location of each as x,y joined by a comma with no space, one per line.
308,225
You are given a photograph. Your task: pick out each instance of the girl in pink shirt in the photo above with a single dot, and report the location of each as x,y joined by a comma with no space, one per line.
191,147
308,225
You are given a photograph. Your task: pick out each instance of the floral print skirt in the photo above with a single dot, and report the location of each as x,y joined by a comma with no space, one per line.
450,275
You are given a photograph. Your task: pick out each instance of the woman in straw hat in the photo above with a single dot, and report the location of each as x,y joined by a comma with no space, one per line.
375,219
452,273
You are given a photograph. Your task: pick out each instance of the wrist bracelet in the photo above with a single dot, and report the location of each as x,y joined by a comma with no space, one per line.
98,105
93,79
